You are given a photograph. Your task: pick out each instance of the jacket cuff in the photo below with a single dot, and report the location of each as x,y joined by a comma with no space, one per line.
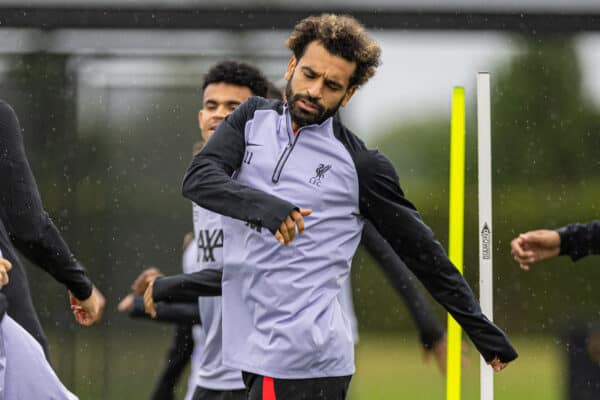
273,220
429,339
82,287
568,245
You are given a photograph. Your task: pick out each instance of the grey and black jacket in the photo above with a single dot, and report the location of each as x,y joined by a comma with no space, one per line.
281,314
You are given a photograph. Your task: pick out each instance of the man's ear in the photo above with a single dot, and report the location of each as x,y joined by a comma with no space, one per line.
200,126
349,93
290,68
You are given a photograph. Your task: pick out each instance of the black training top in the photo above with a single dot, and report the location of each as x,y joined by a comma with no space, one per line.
178,313
580,240
28,225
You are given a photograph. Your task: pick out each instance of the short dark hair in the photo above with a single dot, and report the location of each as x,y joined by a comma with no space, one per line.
237,73
341,35
274,92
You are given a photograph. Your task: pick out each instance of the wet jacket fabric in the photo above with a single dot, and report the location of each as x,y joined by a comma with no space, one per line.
580,240
28,225
25,225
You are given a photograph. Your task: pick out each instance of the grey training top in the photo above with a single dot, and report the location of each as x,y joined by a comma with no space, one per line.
212,373
282,315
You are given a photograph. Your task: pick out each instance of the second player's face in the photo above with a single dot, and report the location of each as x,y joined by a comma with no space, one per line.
220,99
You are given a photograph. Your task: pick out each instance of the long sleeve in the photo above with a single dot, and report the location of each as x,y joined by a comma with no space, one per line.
179,313
580,240
3,305
383,203
28,225
178,357
187,287
403,282
209,184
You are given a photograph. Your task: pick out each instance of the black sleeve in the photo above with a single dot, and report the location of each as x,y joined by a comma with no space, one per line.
208,181
178,356
383,203
179,313
580,240
403,282
29,227
186,288
3,305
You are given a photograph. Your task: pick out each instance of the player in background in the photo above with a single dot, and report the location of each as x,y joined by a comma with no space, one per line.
277,168
32,232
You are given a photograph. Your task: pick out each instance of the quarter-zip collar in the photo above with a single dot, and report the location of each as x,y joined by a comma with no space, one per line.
292,140
290,130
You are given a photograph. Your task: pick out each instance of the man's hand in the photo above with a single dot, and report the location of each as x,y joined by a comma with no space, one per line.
187,240
126,305
439,353
497,365
287,230
5,266
149,306
141,282
88,311
535,246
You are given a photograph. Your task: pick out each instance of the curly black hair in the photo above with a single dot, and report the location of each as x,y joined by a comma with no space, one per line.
237,73
341,35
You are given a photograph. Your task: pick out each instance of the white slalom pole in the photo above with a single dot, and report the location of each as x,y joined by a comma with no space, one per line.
484,162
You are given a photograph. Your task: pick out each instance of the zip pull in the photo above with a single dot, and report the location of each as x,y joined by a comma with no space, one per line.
281,163
284,157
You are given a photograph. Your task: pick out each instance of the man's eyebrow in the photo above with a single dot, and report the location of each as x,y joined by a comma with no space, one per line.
309,69
329,81
334,83
227,102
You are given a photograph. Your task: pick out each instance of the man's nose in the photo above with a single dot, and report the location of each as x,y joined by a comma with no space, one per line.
222,112
315,89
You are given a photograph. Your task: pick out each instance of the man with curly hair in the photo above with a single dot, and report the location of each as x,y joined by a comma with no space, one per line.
275,169
226,85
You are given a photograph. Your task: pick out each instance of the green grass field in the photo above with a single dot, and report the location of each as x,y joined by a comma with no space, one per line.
388,368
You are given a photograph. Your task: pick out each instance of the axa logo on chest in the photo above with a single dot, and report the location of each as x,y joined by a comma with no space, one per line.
319,174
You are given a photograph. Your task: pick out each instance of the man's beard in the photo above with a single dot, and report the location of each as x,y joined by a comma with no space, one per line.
302,117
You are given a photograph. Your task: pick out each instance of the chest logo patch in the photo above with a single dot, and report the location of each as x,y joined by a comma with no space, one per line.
319,174
208,241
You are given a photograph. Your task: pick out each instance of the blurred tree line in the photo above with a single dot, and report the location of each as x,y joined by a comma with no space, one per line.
546,173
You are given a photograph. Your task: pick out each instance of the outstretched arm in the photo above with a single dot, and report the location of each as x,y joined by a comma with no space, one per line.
179,313
182,288
30,228
384,204
575,240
